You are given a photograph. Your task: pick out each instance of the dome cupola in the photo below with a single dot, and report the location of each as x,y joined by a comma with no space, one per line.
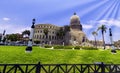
75,22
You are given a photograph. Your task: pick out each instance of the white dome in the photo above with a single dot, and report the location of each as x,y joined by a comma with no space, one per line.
74,17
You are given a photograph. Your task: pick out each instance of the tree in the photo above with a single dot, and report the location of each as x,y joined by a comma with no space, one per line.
103,29
60,33
26,33
66,28
14,37
46,33
94,33
37,41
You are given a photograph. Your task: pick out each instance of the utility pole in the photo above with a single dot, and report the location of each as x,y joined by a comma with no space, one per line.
29,46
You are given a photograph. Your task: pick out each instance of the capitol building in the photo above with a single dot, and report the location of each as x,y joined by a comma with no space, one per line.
75,35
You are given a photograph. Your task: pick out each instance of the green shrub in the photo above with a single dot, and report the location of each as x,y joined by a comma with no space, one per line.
62,47
58,47
68,47
89,48
37,42
47,46
77,47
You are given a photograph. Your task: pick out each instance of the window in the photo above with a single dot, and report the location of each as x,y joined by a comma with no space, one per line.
42,41
53,32
55,37
52,37
41,31
37,36
40,37
43,36
49,37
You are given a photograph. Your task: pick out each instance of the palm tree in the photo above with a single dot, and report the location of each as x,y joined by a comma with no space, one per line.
103,29
94,33
46,33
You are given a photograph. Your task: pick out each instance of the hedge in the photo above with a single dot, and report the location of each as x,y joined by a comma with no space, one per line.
70,47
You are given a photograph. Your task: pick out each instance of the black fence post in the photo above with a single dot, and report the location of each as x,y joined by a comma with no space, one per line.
73,68
98,67
58,68
16,66
4,69
102,68
38,67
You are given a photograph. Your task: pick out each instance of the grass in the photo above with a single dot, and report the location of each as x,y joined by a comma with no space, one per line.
16,54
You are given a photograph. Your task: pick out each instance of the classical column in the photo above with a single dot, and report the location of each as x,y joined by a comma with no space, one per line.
3,36
111,40
29,46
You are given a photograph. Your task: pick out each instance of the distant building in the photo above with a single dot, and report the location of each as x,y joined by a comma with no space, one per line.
73,37
99,43
117,44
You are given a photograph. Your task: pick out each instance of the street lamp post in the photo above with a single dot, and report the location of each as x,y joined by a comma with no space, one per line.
29,46
3,36
111,40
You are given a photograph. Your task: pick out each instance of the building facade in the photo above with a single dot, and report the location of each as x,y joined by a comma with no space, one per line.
40,36
73,37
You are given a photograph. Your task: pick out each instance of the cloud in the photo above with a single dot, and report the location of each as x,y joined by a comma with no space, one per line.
6,19
85,26
12,28
110,22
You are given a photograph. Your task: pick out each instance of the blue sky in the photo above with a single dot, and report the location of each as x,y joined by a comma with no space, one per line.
16,15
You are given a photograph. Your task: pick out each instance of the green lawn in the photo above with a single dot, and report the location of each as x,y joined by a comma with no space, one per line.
16,54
